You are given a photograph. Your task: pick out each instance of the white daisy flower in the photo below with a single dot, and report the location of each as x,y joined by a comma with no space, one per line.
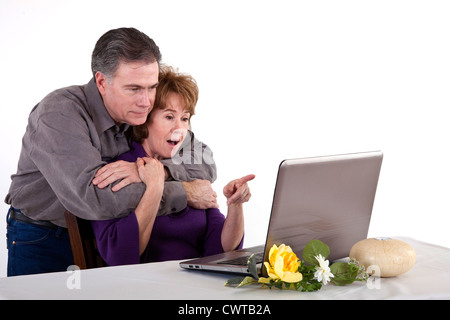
323,272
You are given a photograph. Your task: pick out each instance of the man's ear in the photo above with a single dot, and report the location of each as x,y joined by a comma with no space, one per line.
101,81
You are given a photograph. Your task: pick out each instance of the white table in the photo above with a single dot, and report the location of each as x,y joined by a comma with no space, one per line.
428,279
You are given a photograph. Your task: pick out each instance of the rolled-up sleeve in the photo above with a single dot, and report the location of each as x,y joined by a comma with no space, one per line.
193,161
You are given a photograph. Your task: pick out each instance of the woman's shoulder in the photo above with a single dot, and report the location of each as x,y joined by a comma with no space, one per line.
136,151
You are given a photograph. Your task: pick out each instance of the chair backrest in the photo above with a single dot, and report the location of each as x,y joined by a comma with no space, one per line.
82,240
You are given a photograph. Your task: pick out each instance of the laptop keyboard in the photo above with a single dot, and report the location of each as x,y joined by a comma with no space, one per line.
242,261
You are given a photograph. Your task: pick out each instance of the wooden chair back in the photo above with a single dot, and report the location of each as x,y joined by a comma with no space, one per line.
82,240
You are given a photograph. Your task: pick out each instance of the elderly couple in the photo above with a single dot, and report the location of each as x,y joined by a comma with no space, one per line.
103,151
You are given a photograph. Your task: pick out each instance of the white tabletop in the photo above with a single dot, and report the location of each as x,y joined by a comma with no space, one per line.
428,279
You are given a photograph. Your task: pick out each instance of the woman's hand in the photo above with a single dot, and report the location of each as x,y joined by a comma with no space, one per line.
237,191
120,170
151,171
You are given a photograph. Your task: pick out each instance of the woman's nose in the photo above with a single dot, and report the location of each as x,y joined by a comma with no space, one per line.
178,124
178,132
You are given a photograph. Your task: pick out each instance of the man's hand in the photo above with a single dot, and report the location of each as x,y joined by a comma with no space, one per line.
237,191
120,170
200,194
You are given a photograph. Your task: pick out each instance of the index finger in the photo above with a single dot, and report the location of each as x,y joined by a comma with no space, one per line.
247,178
103,169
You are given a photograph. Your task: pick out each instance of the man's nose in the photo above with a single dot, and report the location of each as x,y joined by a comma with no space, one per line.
145,100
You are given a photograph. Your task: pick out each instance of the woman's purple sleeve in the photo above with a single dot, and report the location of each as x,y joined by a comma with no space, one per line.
118,240
213,237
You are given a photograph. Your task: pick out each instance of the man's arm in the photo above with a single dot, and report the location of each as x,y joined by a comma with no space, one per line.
194,160
189,177
192,169
67,154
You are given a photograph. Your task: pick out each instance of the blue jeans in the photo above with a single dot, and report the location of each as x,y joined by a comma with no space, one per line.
35,249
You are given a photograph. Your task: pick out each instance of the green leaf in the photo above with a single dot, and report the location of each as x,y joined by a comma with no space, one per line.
233,282
310,286
240,281
251,265
308,282
247,281
314,248
344,273
278,284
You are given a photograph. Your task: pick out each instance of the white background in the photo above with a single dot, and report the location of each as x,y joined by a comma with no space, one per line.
278,79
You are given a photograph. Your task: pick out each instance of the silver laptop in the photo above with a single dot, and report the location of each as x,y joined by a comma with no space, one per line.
328,198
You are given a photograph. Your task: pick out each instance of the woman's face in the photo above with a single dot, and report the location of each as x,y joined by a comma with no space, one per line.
168,127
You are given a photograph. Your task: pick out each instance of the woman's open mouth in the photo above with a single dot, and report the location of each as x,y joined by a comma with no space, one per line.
173,142
176,138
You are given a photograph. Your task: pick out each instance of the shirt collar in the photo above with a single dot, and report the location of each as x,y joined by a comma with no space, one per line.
100,116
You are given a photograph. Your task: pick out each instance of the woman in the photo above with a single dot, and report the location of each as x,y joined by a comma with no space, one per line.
144,237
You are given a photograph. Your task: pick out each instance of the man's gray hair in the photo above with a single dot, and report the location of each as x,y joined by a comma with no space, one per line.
123,44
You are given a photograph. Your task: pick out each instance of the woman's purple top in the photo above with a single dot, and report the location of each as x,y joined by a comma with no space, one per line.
187,234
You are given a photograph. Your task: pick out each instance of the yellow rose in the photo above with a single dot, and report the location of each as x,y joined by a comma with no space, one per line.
283,265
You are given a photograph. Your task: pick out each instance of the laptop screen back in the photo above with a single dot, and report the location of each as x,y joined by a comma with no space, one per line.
326,198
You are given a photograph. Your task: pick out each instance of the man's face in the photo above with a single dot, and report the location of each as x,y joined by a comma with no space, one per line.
130,94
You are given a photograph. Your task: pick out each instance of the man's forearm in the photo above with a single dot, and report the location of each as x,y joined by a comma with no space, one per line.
174,198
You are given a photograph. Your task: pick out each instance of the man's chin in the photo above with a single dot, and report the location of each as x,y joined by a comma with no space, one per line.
137,121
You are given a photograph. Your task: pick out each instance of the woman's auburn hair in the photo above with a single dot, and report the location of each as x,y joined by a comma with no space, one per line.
170,81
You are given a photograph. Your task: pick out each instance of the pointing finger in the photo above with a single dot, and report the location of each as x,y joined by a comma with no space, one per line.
247,178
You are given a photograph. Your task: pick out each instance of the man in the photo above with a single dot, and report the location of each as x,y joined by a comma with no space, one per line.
71,134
